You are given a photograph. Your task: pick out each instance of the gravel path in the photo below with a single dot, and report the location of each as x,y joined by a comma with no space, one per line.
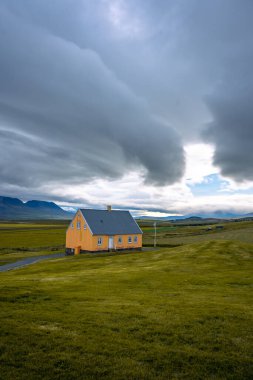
28,261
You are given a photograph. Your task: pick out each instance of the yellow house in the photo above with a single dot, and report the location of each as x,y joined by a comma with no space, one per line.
102,230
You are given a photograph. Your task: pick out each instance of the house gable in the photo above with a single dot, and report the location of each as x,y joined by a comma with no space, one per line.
79,233
79,215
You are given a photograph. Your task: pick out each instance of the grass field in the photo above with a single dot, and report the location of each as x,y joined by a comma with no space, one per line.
20,240
176,313
177,235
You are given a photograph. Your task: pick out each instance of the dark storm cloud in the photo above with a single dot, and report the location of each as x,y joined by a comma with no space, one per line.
90,89
230,100
217,40
82,121
232,128
212,43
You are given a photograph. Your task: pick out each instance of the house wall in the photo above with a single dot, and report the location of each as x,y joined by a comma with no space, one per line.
84,239
79,237
123,245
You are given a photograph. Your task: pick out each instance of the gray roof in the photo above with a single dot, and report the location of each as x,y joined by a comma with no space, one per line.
114,222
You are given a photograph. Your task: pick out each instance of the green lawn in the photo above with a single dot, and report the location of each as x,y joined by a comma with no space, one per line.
175,313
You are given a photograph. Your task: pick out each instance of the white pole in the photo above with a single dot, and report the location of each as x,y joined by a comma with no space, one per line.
155,235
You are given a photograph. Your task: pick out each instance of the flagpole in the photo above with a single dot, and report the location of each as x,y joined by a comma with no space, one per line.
155,235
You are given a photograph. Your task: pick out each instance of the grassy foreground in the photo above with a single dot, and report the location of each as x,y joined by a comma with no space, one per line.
178,313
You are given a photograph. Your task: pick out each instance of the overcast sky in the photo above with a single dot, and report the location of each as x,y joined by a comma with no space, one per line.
144,104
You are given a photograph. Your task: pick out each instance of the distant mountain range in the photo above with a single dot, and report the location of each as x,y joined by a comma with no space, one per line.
14,208
195,217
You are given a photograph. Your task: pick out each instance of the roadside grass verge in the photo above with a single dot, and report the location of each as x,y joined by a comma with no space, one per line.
7,257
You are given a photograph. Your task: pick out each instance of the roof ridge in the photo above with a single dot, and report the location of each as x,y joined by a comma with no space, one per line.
98,209
114,222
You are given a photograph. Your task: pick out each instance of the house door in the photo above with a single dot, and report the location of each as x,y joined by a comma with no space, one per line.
111,245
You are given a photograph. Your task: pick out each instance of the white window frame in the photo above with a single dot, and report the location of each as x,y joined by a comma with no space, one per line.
120,240
78,225
129,240
72,225
100,240
85,226
136,239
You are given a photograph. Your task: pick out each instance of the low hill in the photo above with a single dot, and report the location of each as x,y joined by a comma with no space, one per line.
14,208
204,216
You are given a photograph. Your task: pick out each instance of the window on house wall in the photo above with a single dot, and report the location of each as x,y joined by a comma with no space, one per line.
120,240
78,225
85,226
72,225
100,241
129,239
136,239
